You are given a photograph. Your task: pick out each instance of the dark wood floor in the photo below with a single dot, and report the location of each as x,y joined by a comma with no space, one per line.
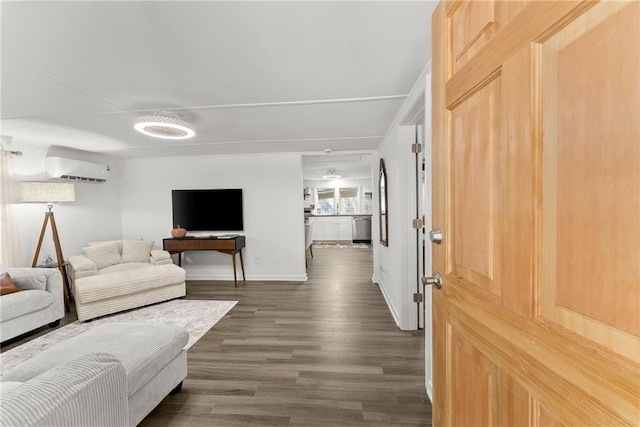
325,352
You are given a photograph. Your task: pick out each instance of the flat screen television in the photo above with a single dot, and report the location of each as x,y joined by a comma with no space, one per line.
208,210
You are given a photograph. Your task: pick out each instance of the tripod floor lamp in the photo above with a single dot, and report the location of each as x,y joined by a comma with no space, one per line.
50,193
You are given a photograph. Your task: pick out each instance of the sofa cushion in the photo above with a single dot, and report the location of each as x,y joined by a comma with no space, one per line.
126,266
118,242
7,285
20,303
26,279
103,286
7,386
90,390
143,348
136,250
103,255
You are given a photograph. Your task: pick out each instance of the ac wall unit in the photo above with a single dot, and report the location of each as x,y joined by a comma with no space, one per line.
78,170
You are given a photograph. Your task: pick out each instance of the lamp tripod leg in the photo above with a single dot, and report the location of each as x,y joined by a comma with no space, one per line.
44,228
61,262
59,257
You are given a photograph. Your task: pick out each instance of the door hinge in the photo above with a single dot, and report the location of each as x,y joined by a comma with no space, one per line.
417,297
417,223
416,148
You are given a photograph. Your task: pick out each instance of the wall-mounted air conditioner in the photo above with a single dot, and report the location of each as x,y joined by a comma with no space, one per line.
78,170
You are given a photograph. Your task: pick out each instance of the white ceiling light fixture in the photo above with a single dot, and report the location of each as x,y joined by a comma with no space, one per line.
331,174
164,124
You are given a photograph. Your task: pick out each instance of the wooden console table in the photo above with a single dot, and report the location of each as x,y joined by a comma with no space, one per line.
230,246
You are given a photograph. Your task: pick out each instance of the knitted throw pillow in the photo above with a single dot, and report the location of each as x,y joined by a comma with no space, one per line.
136,250
7,285
104,255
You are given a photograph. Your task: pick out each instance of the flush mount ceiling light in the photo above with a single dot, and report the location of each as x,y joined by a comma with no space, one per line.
331,174
166,125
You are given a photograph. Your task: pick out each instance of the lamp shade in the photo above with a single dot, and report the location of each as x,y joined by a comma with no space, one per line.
47,192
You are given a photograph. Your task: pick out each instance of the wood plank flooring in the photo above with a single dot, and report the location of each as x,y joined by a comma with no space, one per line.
325,352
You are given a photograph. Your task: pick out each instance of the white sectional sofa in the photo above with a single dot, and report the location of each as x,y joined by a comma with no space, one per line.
118,275
111,375
41,301
72,394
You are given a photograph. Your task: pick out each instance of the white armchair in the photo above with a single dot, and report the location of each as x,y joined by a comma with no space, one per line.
40,302
122,274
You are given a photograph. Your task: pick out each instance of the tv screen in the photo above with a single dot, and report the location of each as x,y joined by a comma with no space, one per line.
208,210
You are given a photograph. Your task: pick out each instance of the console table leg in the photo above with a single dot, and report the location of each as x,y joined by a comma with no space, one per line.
242,265
235,280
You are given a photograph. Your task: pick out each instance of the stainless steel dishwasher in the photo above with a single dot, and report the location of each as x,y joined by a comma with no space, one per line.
362,229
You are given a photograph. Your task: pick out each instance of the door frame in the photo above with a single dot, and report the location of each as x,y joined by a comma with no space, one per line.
419,116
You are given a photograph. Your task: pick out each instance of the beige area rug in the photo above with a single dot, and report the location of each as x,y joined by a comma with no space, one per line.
196,316
342,245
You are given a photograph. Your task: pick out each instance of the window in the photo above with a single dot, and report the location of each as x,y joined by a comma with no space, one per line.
349,201
326,201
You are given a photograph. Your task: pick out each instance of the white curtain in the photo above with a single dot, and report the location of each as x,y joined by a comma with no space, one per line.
9,242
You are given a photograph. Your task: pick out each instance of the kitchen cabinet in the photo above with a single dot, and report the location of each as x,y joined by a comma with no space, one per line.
345,230
332,228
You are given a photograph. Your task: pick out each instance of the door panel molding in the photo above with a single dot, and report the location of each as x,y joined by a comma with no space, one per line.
536,356
522,30
595,263
475,210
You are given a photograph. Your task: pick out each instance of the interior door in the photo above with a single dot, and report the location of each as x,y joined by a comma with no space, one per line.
536,169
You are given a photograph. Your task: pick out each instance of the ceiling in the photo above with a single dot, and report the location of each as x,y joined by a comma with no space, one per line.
349,166
252,77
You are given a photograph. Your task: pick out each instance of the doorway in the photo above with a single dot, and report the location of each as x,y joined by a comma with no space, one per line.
338,198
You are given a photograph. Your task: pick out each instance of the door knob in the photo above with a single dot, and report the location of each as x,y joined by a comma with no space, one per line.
435,281
435,236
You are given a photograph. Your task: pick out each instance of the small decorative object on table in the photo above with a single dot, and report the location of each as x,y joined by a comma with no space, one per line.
178,232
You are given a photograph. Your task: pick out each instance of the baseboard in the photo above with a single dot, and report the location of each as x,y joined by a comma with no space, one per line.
265,278
392,308
430,390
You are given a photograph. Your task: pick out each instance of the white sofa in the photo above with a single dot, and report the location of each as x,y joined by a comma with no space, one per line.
118,275
72,394
40,303
111,375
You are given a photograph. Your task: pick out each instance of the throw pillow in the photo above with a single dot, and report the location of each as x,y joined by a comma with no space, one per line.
119,242
7,285
136,250
103,255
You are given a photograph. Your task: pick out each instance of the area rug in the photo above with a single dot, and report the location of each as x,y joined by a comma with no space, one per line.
196,316
342,245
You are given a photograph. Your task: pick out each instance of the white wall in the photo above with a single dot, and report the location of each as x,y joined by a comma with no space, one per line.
273,209
395,264
95,215
392,271
136,203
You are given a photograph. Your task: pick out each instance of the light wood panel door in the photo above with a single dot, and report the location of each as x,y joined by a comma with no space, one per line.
536,162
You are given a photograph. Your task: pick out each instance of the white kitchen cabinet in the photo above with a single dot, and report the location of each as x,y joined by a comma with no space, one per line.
318,231
345,230
332,228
